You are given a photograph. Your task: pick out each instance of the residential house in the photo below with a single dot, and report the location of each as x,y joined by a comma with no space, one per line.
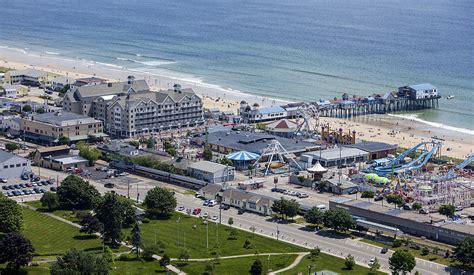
247,201
29,77
210,191
61,81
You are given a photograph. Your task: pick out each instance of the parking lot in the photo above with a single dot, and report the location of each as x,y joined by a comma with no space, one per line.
21,188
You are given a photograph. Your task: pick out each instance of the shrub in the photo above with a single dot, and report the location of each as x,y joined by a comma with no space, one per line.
248,244
397,243
145,220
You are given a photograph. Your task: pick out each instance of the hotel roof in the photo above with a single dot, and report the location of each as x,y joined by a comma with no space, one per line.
112,88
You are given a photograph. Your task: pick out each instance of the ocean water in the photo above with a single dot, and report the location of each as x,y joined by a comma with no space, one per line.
295,50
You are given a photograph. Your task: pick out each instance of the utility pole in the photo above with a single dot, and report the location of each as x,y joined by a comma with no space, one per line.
128,187
207,234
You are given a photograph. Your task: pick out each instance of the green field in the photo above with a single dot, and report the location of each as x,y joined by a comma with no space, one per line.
327,262
239,265
65,214
52,237
177,236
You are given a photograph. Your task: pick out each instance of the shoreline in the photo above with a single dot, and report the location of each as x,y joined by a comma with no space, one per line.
392,128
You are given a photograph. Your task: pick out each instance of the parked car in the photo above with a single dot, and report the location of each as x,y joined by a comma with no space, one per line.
29,185
3,180
109,185
16,186
424,211
212,203
240,211
181,208
205,215
196,211
215,217
4,187
384,250
42,190
205,203
302,195
378,198
224,207
22,185
53,189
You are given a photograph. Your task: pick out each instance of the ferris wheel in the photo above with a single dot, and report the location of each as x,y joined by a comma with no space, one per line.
307,119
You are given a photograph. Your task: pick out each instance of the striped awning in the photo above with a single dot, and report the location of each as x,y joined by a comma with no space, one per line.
242,156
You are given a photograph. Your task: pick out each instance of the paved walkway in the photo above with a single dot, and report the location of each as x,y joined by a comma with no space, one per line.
245,255
292,265
169,267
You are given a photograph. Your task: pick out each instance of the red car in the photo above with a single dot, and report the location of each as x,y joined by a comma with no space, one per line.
196,211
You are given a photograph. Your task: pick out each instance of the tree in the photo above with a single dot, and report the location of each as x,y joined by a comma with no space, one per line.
375,265
89,153
286,207
64,89
130,217
230,221
134,143
425,251
11,217
50,200
136,238
349,262
15,250
90,224
26,108
79,262
152,249
40,110
395,199
63,140
256,268
183,255
11,147
226,161
75,193
368,194
464,251
110,213
314,216
207,153
402,261
314,253
416,206
160,201
164,261
232,234
447,210
150,143
338,219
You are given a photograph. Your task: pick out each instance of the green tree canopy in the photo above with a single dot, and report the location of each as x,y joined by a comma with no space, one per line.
136,238
89,153
314,216
464,251
402,261
40,110
75,193
256,268
78,262
338,219
26,108
417,206
11,217
11,147
395,199
368,194
165,260
286,207
349,262
111,213
90,224
15,250
375,265
207,153
160,201
50,200
447,210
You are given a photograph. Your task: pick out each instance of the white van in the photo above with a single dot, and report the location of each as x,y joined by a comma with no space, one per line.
322,207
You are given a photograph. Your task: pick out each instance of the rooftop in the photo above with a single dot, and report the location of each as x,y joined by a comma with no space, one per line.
254,142
422,87
373,146
211,188
112,88
68,159
4,156
28,72
208,166
63,118
336,153
271,110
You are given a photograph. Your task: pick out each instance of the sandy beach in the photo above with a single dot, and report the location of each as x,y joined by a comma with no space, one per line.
385,128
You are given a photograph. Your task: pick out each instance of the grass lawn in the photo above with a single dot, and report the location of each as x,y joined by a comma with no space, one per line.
326,262
42,269
65,214
239,265
417,253
52,237
176,236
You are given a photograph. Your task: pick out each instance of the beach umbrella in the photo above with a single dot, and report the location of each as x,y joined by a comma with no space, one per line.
242,156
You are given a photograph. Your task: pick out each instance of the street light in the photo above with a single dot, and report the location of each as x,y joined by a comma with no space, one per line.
309,269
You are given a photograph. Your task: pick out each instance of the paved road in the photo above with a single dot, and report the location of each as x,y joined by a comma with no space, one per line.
291,233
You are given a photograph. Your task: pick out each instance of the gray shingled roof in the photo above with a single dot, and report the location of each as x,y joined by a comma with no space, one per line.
207,166
4,156
112,88
373,146
28,72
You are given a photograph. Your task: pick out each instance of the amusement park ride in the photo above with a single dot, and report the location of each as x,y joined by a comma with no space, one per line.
308,120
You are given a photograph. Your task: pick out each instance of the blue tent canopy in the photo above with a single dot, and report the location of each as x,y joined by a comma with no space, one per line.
242,156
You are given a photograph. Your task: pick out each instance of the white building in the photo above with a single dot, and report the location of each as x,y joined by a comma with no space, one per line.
421,91
13,166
